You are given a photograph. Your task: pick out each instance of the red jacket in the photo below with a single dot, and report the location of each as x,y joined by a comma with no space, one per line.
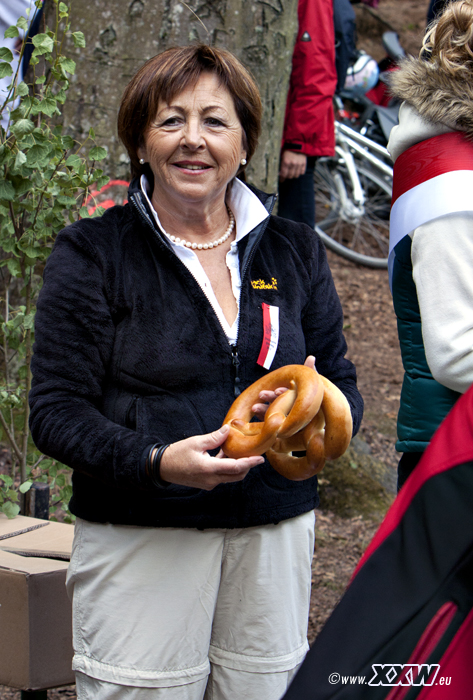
309,121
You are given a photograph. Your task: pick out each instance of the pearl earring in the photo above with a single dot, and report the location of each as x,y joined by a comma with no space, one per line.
142,161
243,161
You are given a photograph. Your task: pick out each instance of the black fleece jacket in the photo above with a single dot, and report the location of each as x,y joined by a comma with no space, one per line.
129,352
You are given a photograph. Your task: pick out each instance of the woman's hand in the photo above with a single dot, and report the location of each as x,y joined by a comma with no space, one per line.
267,397
188,462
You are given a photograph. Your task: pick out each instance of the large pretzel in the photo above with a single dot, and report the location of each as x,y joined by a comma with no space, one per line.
312,416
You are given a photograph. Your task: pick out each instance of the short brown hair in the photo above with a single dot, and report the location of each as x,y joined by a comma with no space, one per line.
170,72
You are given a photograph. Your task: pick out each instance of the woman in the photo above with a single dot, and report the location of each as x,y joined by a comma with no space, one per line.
190,573
431,235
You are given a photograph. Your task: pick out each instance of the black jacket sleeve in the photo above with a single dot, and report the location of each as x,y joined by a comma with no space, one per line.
74,343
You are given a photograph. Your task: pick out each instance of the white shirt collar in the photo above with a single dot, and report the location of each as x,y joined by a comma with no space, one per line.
247,209
248,212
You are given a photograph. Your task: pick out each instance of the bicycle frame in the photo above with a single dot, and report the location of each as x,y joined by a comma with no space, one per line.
359,166
352,141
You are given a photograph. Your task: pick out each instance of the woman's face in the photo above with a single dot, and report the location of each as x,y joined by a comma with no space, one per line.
195,144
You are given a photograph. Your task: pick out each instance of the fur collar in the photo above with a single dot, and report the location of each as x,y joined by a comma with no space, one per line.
437,96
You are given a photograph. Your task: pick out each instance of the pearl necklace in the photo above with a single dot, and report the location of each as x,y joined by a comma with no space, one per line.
205,246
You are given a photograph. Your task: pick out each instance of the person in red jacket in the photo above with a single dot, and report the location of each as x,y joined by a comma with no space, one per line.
309,121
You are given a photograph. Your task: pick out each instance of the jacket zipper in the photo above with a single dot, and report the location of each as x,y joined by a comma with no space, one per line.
235,364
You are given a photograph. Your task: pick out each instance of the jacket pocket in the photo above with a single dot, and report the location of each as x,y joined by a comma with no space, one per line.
168,416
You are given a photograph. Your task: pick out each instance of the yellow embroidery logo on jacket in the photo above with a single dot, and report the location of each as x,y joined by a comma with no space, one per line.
261,284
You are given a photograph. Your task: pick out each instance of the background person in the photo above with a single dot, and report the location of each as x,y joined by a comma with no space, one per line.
309,120
432,228
346,53
190,574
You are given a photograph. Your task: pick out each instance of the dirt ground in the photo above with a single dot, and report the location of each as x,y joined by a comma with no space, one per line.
370,330
406,17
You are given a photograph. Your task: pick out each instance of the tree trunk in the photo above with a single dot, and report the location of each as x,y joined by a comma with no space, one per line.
121,35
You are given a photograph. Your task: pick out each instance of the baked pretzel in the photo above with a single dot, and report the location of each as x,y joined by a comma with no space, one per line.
313,415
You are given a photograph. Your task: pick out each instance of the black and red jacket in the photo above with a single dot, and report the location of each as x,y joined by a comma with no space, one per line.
409,606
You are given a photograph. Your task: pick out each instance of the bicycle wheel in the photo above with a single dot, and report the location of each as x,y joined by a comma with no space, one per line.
359,233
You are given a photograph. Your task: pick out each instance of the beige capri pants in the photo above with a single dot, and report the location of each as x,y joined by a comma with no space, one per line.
186,614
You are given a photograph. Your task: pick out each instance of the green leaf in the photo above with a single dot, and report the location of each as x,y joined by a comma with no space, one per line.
98,153
98,212
6,54
102,180
11,33
32,253
67,142
25,486
22,88
14,267
5,70
61,96
20,159
48,106
7,191
22,23
22,127
37,155
43,43
79,39
68,65
11,510
74,162
66,201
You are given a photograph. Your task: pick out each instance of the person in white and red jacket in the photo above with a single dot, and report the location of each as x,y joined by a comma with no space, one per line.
309,120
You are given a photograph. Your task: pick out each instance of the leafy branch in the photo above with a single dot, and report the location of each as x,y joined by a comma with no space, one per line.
45,177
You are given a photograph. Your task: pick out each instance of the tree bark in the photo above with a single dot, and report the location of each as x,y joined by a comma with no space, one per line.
121,35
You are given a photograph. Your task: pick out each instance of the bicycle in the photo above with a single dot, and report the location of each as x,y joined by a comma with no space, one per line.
353,190
353,198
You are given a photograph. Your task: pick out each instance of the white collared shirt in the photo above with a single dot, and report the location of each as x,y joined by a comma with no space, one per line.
248,212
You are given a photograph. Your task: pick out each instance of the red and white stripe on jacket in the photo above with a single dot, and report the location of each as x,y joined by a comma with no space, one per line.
431,179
